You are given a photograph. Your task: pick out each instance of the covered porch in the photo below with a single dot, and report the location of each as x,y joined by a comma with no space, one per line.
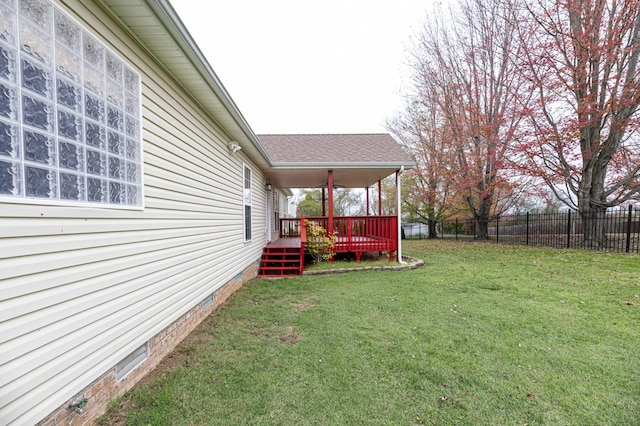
327,162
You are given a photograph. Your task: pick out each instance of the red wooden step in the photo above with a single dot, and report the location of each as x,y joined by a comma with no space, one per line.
280,261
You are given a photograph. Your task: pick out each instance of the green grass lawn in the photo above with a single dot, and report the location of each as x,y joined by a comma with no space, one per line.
483,334
381,261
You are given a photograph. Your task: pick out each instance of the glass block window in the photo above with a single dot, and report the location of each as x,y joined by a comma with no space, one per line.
70,116
131,361
207,301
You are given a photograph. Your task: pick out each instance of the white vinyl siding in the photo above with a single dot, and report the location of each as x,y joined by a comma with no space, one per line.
279,211
84,287
284,205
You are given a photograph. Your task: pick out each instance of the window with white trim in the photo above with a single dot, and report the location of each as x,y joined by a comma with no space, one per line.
70,115
246,195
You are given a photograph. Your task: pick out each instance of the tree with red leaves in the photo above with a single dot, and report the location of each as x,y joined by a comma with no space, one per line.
581,62
463,62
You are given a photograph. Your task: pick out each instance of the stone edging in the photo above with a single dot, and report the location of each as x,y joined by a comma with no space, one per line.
412,263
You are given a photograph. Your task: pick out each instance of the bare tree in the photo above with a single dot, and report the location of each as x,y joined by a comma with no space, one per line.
464,61
428,186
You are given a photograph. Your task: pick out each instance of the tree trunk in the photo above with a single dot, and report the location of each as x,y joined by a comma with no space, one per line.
594,227
592,201
432,229
483,228
483,215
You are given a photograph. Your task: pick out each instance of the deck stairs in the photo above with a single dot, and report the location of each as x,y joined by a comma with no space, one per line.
280,261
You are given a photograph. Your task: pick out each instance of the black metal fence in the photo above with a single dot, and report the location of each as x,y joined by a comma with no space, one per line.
620,227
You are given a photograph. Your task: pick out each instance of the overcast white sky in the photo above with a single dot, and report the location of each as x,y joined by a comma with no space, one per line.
302,66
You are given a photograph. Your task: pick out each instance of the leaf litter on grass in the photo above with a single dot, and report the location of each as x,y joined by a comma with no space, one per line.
393,344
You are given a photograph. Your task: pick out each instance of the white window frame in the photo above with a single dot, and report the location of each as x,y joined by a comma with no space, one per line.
246,203
70,113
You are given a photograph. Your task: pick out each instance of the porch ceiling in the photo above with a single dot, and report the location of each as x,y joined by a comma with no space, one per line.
347,177
357,160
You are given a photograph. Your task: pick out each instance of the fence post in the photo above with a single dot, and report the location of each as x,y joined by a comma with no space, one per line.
629,229
569,229
527,231
498,229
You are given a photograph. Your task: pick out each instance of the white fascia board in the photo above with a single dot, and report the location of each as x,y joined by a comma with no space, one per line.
340,165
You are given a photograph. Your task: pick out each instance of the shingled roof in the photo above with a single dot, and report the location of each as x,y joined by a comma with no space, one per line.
357,160
334,148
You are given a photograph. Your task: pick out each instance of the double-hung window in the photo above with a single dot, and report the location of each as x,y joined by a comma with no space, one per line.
247,203
70,115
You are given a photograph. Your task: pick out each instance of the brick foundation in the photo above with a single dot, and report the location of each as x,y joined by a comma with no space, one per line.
106,387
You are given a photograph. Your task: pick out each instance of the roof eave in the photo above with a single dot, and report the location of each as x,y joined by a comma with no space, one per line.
232,120
341,165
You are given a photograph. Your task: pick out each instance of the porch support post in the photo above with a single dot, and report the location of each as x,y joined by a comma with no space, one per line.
379,198
324,202
399,212
367,191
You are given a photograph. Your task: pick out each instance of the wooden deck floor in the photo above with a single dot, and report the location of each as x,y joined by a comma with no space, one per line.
285,243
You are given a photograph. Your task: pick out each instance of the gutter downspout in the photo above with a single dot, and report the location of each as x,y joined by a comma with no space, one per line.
399,211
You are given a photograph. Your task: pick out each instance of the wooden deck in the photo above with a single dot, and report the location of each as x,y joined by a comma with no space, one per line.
353,244
355,234
285,256
293,242
361,244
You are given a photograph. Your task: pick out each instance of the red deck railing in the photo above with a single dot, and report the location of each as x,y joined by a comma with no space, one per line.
356,234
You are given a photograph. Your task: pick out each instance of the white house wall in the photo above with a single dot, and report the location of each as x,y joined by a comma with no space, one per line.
281,207
82,287
284,205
